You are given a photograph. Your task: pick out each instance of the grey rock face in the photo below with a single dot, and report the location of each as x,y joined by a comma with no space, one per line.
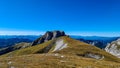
49,35
95,56
92,55
114,48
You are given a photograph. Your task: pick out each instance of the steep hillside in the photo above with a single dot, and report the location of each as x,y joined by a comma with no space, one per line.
56,50
49,35
62,52
67,46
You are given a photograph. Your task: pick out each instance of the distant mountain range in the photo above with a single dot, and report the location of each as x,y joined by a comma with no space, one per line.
6,40
98,41
31,37
9,40
56,49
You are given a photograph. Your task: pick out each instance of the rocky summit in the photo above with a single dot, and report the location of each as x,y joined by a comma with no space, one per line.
49,35
56,50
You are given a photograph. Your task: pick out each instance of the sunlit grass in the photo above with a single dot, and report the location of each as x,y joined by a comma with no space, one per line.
34,56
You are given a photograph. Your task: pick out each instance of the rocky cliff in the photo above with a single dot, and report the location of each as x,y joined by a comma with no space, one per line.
114,48
49,35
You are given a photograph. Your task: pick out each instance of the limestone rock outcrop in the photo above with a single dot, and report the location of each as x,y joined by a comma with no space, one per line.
114,48
49,35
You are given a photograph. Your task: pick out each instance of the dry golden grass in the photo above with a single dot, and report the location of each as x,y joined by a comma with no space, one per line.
29,50
54,61
76,47
66,58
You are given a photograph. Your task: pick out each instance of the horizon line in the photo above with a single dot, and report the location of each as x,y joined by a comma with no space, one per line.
102,34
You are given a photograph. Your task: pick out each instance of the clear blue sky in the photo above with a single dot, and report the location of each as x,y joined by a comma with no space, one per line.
97,17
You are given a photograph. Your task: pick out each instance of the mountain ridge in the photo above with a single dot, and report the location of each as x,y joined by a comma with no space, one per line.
48,36
61,51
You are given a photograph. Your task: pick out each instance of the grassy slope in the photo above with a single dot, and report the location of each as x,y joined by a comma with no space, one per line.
52,61
29,50
74,47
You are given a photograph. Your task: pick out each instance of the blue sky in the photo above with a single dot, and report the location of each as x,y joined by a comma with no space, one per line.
80,17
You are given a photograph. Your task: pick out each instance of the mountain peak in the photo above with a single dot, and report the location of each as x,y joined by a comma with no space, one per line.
49,35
